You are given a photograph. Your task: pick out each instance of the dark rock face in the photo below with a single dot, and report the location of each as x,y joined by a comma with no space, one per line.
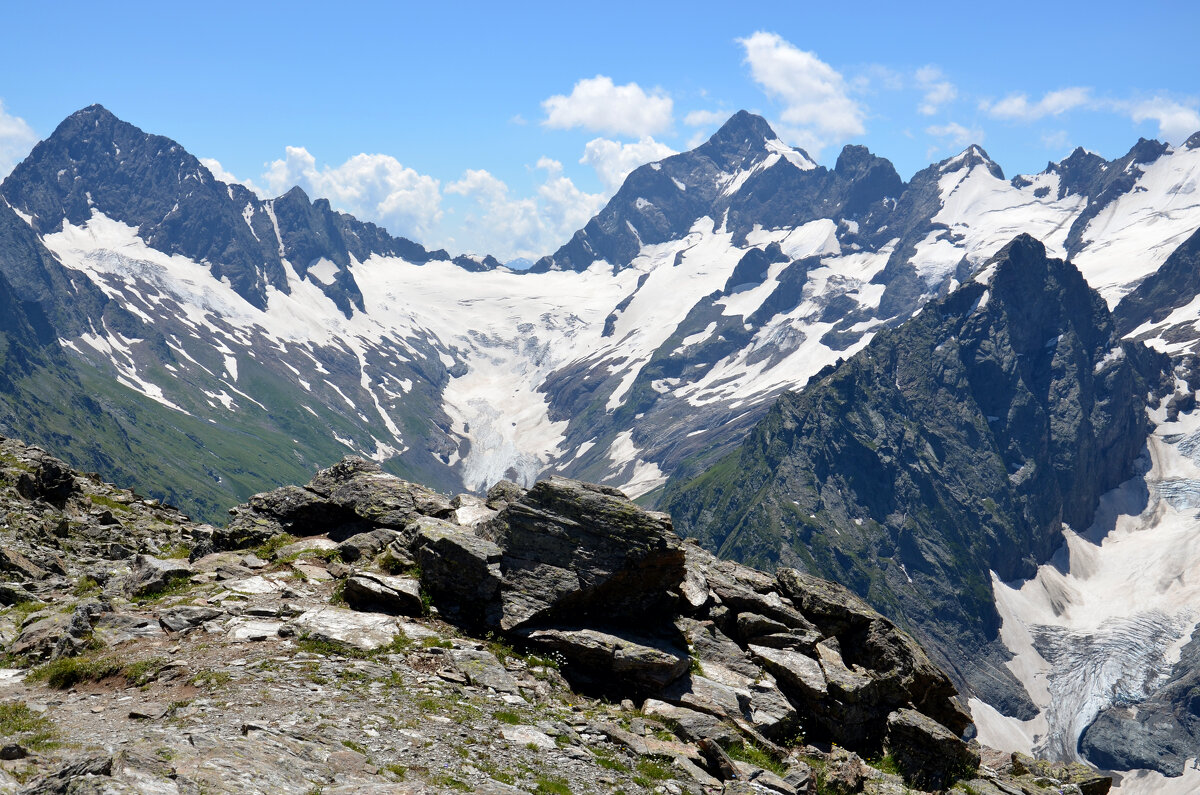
47,479
40,282
929,756
94,162
646,663
579,552
952,446
384,594
461,571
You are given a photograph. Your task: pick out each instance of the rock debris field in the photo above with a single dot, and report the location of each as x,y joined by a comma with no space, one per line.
363,634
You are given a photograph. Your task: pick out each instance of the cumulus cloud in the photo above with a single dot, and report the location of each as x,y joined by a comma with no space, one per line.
613,160
1176,121
371,187
953,136
817,111
508,226
1017,107
16,139
598,105
938,90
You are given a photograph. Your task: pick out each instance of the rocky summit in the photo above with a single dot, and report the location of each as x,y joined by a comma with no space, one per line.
364,634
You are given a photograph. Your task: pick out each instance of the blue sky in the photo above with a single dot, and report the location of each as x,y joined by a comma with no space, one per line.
501,128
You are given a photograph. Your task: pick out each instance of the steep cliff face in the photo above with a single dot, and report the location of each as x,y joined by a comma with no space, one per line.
950,448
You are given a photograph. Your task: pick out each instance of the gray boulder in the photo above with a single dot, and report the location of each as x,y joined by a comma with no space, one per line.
504,492
116,628
366,545
605,660
380,593
741,589
187,617
582,553
40,638
691,725
800,676
151,575
460,571
46,478
483,669
373,496
928,754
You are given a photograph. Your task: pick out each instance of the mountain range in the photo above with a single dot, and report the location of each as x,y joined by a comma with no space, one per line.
988,362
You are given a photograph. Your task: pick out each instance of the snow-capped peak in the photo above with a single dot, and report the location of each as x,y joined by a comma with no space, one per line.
971,157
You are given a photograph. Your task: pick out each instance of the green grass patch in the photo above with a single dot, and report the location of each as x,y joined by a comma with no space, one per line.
26,609
109,502
332,648
551,786
21,724
177,551
85,585
395,566
608,763
66,672
450,782
211,679
179,584
268,548
885,764
654,768
143,672
358,748
505,716
752,754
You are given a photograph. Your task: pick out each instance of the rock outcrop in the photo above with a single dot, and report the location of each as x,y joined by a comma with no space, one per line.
349,660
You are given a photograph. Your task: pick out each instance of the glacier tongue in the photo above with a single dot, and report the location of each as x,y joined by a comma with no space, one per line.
1104,623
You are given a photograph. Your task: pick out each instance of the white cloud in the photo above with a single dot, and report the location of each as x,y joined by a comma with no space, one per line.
817,110
372,187
1017,107
509,227
613,160
596,104
938,90
954,136
706,118
16,139
1176,121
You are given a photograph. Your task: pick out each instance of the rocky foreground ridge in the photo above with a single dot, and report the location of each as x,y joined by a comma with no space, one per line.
364,634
